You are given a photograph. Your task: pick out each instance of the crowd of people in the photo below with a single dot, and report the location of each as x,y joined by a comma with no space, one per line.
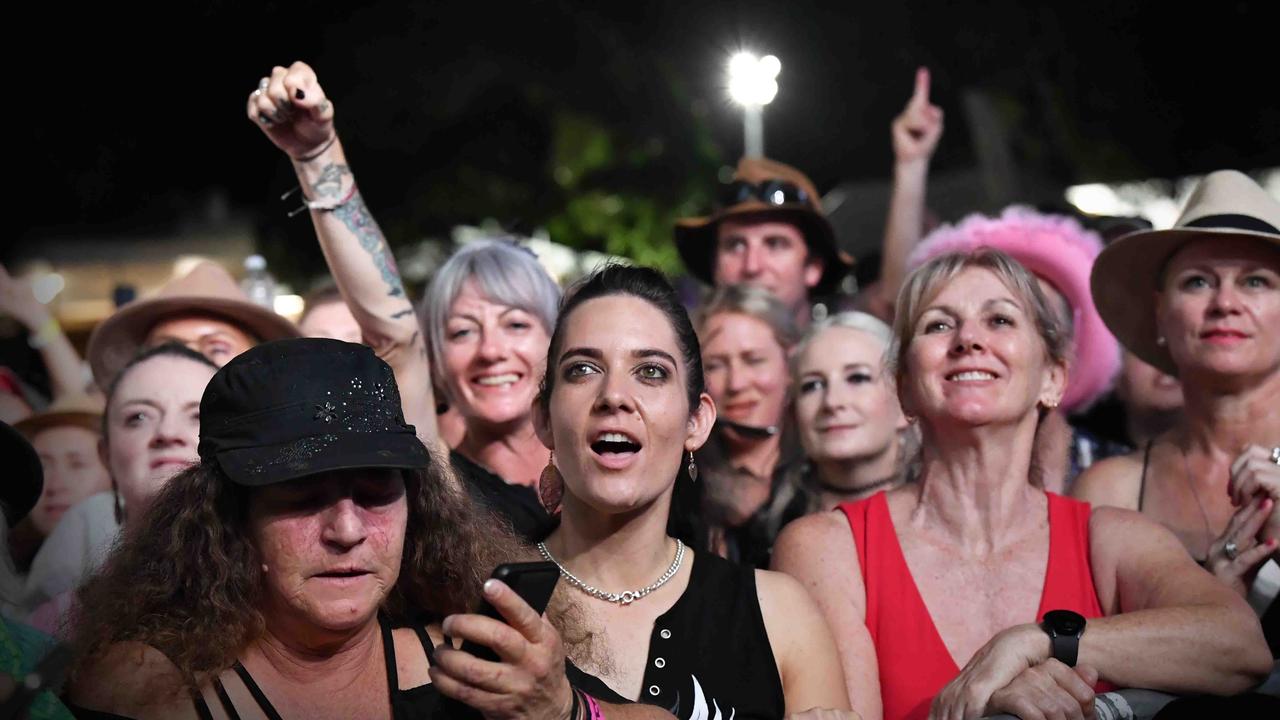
785,502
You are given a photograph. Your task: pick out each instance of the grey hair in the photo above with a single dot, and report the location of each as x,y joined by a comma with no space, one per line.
851,319
504,272
753,302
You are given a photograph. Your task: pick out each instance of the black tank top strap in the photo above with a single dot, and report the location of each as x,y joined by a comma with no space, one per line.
389,654
1142,482
428,647
259,697
227,706
202,707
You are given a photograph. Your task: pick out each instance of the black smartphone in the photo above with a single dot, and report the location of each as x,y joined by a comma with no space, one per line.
532,581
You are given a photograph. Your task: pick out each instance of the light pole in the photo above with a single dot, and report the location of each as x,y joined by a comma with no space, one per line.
753,84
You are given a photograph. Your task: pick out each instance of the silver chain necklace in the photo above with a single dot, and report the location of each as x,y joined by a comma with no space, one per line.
623,598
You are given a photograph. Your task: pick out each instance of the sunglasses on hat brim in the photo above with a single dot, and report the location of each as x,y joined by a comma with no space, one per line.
771,192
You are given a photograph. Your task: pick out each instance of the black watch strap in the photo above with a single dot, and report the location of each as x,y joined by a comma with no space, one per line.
1064,628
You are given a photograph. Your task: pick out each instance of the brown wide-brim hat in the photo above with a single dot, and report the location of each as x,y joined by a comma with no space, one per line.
77,410
1127,274
696,237
207,290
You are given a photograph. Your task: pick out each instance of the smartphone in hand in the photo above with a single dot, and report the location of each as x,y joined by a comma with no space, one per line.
534,582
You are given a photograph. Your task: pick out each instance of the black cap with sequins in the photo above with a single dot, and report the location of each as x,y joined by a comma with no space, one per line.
291,408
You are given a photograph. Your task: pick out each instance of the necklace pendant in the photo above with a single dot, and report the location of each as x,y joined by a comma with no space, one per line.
627,597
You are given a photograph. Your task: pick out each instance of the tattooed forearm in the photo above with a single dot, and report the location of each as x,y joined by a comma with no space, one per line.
355,215
403,313
329,184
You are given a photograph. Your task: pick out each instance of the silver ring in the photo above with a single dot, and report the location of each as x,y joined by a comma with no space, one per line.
1275,454
1231,550
263,83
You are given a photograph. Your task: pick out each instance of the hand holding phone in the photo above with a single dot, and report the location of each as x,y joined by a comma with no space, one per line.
534,582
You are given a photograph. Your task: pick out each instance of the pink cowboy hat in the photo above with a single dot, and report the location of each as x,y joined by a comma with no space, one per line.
1061,252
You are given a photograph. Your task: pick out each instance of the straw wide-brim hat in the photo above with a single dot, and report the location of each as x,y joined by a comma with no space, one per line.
78,410
696,237
1127,275
207,289
1059,250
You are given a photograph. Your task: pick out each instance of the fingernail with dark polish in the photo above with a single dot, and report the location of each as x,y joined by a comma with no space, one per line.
299,94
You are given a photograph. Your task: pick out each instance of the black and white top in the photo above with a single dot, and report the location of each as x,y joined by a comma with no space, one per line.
709,655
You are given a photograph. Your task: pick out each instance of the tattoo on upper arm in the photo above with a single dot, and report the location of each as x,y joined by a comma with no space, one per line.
329,184
355,215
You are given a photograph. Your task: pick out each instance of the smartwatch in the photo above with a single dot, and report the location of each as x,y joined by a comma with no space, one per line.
1065,628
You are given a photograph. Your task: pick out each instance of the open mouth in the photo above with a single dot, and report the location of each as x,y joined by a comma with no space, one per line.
615,443
971,376
497,381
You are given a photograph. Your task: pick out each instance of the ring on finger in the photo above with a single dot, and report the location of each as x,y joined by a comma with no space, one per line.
1275,454
1231,550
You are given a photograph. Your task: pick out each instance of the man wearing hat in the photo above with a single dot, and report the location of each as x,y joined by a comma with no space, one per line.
769,231
205,310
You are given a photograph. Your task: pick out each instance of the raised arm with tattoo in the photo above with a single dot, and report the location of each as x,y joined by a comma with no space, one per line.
291,108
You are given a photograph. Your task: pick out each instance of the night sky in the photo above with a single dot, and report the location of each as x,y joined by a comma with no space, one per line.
133,116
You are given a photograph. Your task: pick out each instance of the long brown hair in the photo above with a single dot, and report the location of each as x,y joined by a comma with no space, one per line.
186,580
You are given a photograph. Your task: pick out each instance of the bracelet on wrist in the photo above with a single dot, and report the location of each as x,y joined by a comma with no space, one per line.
323,205
323,149
45,334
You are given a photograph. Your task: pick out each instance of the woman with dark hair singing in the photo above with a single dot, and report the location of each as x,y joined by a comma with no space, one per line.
622,408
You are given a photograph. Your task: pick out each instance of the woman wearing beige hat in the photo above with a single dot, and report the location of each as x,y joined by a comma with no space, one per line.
1202,301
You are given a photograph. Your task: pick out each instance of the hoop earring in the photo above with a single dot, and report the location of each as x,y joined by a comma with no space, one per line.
693,468
551,486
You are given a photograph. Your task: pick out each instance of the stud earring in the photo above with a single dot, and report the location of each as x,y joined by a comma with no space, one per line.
1161,341
693,468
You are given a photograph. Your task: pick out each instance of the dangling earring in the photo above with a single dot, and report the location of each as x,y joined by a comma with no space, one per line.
551,486
693,468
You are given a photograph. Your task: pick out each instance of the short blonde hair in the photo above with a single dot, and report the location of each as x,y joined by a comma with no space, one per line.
924,284
851,319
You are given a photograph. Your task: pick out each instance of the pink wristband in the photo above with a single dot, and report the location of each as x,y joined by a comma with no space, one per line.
593,708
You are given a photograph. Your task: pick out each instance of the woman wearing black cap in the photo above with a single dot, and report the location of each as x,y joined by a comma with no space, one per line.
622,408
268,578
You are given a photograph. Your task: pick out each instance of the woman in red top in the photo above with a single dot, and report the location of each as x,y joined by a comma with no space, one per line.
936,590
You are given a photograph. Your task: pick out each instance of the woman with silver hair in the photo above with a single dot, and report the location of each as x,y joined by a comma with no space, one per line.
488,313
488,317
854,433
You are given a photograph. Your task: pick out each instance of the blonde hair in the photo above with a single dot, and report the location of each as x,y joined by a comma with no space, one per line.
851,319
924,284
753,302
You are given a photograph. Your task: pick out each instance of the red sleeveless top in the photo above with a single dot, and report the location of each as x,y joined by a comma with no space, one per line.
914,663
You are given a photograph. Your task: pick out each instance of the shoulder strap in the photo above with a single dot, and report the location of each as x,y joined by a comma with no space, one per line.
259,697
1142,482
227,706
389,654
428,647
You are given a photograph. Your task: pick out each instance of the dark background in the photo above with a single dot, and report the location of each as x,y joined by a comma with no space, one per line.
533,113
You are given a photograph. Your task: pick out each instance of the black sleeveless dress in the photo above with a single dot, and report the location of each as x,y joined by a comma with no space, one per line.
709,655
517,504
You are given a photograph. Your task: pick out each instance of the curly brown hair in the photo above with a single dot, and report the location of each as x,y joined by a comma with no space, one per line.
185,579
